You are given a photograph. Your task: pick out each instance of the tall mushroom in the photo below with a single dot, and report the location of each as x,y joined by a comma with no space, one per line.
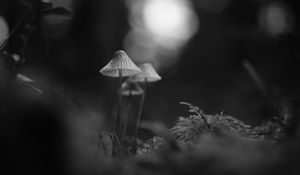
147,75
129,89
120,66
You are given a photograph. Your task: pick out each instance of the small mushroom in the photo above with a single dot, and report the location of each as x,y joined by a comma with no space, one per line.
120,66
147,75
131,88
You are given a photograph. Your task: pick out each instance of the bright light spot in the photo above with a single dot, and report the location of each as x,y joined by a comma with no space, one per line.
3,29
275,19
170,19
159,30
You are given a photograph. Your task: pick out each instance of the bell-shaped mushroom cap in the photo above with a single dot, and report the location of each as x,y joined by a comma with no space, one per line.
148,73
120,62
131,88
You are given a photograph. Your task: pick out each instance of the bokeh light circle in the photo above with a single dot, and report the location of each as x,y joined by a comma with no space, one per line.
170,19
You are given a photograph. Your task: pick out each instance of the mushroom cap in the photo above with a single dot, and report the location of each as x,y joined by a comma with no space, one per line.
131,88
148,73
120,62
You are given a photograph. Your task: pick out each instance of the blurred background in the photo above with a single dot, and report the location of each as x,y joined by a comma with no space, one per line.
197,46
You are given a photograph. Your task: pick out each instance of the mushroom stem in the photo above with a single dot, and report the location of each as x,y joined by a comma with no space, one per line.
119,112
124,128
140,109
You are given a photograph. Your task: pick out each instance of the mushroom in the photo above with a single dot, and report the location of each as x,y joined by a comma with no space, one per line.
129,89
147,75
120,66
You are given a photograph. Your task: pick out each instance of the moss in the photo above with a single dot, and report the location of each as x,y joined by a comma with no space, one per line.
188,130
